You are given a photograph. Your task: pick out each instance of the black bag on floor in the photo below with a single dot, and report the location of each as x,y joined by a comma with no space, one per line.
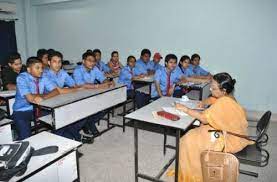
14,158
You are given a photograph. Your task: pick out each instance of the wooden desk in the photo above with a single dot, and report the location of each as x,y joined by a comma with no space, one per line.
57,167
145,115
69,108
9,98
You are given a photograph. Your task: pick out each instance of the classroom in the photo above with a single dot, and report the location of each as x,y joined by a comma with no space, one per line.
137,90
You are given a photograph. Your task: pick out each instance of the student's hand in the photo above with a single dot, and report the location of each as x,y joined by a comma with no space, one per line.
112,84
171,91
151,72
200,105
181,107
38,99
2,102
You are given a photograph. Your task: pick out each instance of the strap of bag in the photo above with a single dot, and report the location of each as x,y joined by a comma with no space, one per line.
46,150
231,133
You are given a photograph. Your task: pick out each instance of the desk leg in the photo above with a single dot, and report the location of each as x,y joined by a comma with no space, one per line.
78,169
201,94
136,150
177,155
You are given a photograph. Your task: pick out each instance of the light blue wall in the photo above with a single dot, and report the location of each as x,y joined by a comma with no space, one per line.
231,35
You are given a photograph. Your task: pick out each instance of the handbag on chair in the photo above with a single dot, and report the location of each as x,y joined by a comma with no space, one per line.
219,166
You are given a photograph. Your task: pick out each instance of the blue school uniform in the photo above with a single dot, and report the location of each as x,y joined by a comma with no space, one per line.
82,76
161,76
103,67
143,67
61,80
155,66
198,70
23,110
125,77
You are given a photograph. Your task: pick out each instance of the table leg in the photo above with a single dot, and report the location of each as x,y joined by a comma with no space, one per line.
136,150
177,155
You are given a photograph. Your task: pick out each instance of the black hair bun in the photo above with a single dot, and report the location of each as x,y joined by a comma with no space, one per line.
233,82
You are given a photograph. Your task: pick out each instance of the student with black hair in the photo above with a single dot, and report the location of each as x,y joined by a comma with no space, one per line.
114,63
197,70
30,88
10,73
89,76
99,63
42,54
143,64
166,78
127,74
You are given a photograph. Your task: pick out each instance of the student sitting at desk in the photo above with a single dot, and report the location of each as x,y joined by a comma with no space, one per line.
165,78
42,54
61,79
155,63
143,64
9,74
114,64
30,88
197,70
127,74
225,114
89,76
186,75
99,63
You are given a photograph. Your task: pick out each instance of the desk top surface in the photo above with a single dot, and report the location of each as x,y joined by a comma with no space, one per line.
7,93
147,79
45,139
65,99
5,121
194,84
145,114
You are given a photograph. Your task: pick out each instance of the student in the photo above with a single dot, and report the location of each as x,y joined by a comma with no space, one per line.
89,76
99,63
9,74
165,78
127,74
143,64
42,54
61,79
30,88
114,64
197,70
155,63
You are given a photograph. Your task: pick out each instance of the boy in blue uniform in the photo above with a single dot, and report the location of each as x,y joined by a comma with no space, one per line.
143,64
155,63
89,76
166,78
197,70
127,74
99,63
61,79
42,54
30,88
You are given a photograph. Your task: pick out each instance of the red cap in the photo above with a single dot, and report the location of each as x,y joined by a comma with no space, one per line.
157,56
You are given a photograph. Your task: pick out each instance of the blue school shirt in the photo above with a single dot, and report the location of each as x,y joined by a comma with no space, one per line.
103,67
82,76
198,70
142,67
125,76
25,84
187,72
161,77
61,79
155,66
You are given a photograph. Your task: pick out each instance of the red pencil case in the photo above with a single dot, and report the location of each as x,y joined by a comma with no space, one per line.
168,115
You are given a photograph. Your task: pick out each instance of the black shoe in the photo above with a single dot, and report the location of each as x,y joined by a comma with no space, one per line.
87,131
86,139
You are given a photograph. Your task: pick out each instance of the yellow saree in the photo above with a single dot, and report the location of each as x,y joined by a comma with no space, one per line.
225,114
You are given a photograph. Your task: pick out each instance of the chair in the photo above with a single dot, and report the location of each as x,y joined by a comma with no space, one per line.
255,155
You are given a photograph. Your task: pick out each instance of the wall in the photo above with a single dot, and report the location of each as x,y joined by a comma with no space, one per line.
234,36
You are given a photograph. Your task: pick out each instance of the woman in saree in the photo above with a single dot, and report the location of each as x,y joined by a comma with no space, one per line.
224,114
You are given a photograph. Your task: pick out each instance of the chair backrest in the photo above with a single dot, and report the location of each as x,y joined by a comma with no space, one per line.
263,125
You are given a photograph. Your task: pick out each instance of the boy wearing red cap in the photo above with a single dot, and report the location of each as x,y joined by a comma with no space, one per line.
155,63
